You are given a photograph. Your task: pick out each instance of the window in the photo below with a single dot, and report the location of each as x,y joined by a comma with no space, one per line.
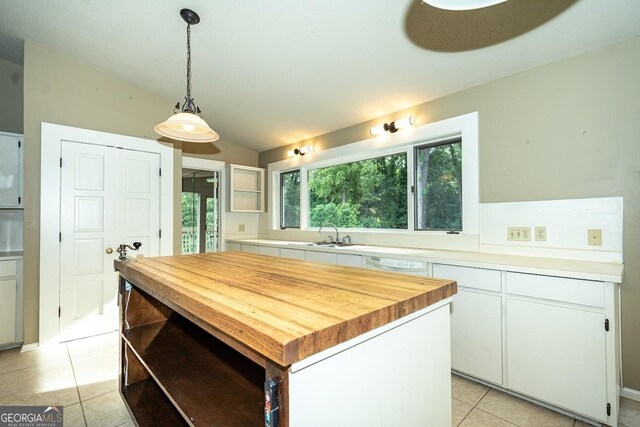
290,199
423,180
369,193
438,186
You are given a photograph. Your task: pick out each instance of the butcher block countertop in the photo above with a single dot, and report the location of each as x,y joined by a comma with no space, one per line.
282,309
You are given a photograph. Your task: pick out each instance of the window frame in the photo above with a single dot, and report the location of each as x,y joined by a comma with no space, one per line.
434,144
464,127
373,155
282,174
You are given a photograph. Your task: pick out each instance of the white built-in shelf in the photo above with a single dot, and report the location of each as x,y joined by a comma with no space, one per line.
246,188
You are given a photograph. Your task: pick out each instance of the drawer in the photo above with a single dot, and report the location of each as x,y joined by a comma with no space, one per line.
268,250
584,292
8,268
292,253
476,278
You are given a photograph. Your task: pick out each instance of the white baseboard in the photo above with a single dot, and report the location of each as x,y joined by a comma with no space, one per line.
630,393
29,347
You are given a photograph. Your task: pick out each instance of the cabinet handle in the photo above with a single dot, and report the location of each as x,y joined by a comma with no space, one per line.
109,251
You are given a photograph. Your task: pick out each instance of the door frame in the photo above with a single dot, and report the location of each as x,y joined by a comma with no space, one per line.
218,166
50,192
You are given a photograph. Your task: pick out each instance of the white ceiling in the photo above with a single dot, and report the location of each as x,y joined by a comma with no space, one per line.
268,73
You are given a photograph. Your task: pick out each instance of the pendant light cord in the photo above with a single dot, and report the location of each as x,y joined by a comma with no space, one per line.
189,63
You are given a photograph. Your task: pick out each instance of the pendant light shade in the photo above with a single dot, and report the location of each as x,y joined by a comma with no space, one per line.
187,124
187,127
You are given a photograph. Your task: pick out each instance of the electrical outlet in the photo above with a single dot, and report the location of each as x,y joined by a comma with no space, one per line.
595,237
541,234
241,228
519,234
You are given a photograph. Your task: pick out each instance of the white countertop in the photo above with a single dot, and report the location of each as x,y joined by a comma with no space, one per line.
601,271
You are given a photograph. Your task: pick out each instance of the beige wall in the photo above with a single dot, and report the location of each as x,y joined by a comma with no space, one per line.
570,129
11,77
60,90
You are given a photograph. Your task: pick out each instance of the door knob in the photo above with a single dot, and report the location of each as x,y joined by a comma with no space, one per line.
109,251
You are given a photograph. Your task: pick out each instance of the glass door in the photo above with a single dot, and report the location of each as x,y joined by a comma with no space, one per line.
200,211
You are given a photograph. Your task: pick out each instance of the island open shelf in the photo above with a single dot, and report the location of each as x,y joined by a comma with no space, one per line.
208,382
144,397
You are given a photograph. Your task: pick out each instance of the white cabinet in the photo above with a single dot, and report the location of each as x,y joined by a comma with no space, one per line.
246,189
292,253
233,247
560,338
268,250
252,249
323,257
11,170
349,260
10,302
557,354
476,321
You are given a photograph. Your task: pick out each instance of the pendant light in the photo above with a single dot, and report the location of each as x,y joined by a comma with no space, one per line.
187,124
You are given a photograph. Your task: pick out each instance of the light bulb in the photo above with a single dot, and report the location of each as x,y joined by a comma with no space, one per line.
306,149
290,153
404,122
378,130
188,128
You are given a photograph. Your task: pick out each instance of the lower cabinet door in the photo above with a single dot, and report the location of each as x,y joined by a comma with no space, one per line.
8,310
292,253
557,354
349,260
250,248
323,257
268,250
476,335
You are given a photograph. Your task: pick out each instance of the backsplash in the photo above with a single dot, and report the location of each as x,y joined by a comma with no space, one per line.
566,228
11,221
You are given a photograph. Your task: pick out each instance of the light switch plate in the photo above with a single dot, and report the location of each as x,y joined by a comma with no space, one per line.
241,228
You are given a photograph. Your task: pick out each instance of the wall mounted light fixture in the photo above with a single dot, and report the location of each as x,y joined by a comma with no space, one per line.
392,127
300,151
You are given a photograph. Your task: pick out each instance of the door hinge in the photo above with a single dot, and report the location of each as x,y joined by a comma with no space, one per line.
608,409
60,237
19,143
606,325
59,311
160,172
159,234
60,161
413,189
19,200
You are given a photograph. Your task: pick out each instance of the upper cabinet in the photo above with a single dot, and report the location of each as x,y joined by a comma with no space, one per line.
246,189
11,170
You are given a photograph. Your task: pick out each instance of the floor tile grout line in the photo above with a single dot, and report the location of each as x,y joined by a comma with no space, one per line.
75,380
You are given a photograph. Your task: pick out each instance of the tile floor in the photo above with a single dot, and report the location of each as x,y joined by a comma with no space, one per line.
82,376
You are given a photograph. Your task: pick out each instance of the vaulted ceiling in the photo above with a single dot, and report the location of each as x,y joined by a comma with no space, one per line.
268,73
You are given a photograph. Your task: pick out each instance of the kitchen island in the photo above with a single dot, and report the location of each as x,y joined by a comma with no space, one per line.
244,339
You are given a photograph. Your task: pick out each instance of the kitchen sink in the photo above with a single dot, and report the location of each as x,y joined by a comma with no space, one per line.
330,244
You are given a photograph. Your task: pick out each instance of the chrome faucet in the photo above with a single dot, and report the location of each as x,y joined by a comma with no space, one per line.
331,225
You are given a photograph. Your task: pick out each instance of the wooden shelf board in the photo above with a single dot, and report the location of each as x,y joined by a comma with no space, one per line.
210,382
150,406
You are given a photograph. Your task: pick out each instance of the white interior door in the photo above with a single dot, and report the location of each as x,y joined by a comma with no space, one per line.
109,196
